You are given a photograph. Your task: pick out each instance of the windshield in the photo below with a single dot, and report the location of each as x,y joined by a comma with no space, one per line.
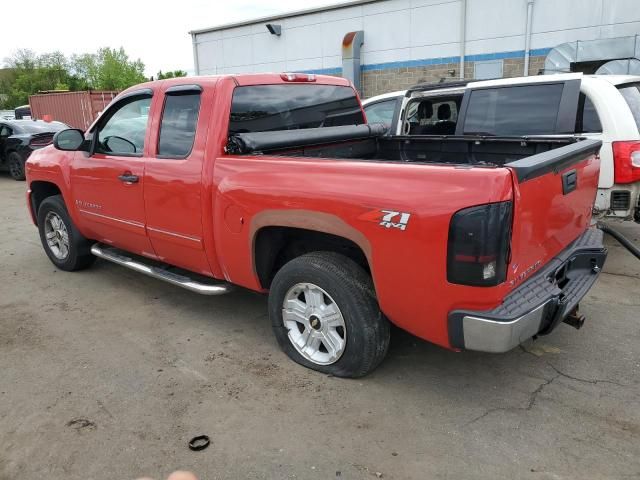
631,93
40,126
262,108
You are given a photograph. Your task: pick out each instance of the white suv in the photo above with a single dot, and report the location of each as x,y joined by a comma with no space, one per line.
606,107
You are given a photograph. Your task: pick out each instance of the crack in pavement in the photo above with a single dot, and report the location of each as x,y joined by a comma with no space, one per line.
533,396
592,381
635,277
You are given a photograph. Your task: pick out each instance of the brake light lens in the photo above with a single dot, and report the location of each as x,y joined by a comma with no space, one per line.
298,77
626,162
479,245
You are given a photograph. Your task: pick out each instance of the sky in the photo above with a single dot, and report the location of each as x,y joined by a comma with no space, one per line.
157,32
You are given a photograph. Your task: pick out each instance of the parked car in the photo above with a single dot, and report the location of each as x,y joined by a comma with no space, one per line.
22,112
468,242
7,115
18,138
604,107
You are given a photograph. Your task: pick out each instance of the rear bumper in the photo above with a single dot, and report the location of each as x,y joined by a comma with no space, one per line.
537,306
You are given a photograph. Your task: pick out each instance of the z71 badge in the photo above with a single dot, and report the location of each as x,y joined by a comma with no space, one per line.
388,218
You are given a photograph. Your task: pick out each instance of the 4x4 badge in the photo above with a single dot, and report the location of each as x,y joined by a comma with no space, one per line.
388,218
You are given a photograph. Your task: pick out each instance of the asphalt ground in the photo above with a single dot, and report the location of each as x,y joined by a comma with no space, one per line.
106,374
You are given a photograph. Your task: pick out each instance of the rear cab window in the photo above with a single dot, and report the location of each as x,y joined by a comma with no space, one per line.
261,108
631,93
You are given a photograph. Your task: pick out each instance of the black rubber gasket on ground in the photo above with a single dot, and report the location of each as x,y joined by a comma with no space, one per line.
199,443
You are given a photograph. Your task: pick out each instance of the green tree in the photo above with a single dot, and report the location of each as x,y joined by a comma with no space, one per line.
109,69
171,74
29,73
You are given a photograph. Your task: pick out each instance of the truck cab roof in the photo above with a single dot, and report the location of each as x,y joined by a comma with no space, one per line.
244,79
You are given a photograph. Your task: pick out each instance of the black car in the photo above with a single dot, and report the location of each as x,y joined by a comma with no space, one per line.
18,138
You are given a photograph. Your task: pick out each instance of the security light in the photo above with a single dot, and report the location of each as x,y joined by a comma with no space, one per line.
274,29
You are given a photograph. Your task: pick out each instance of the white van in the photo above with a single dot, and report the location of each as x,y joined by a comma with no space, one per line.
606,107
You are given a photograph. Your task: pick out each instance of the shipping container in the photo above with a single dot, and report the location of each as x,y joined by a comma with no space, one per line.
76,109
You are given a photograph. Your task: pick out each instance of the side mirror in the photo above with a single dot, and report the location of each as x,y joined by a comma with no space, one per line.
69,140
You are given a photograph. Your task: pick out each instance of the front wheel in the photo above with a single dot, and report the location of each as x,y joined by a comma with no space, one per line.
16,166
63,243
325,315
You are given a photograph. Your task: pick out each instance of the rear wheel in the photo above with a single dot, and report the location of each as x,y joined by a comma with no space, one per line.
63,243
16,166
326,317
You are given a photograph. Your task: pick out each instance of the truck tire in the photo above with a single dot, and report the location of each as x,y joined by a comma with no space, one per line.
16,166
325,315
64,244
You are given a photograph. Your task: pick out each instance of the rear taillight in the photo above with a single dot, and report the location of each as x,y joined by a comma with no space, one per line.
41,141
478,249
626,162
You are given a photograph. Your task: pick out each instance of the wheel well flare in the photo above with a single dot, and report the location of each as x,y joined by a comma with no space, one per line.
275,246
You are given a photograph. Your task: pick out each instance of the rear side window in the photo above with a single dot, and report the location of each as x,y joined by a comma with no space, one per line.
587,120
381,112
631,93
261,108
525,110
178,127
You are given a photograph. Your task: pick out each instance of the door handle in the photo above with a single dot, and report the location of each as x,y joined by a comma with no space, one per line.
128,178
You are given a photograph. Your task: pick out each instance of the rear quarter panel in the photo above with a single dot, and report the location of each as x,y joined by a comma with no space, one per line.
347,198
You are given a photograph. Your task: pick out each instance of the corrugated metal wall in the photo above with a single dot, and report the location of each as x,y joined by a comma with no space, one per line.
76,109
409,33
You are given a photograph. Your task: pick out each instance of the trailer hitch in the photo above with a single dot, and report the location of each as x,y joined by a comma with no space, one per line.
575,319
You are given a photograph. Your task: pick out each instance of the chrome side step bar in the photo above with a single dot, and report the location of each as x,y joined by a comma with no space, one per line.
118,256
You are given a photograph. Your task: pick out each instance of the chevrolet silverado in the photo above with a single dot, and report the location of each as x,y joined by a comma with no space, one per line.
276,183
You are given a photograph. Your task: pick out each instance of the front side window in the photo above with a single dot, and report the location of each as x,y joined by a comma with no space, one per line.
523,110
260,108
381,112
178,127
125,128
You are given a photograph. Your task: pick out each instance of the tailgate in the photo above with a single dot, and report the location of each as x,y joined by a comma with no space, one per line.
554,194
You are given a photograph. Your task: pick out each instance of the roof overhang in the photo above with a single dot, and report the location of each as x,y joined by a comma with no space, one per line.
295,13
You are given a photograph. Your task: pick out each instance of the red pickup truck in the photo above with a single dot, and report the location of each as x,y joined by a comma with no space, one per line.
276,183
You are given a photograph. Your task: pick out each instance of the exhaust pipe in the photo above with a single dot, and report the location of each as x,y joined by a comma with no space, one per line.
575,319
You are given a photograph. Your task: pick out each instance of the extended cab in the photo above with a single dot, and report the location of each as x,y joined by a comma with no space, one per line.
602,107
276,183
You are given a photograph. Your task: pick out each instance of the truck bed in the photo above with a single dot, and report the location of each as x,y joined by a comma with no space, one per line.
527,156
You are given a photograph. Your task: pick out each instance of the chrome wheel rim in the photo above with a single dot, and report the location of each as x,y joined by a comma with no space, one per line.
57,236
315,325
